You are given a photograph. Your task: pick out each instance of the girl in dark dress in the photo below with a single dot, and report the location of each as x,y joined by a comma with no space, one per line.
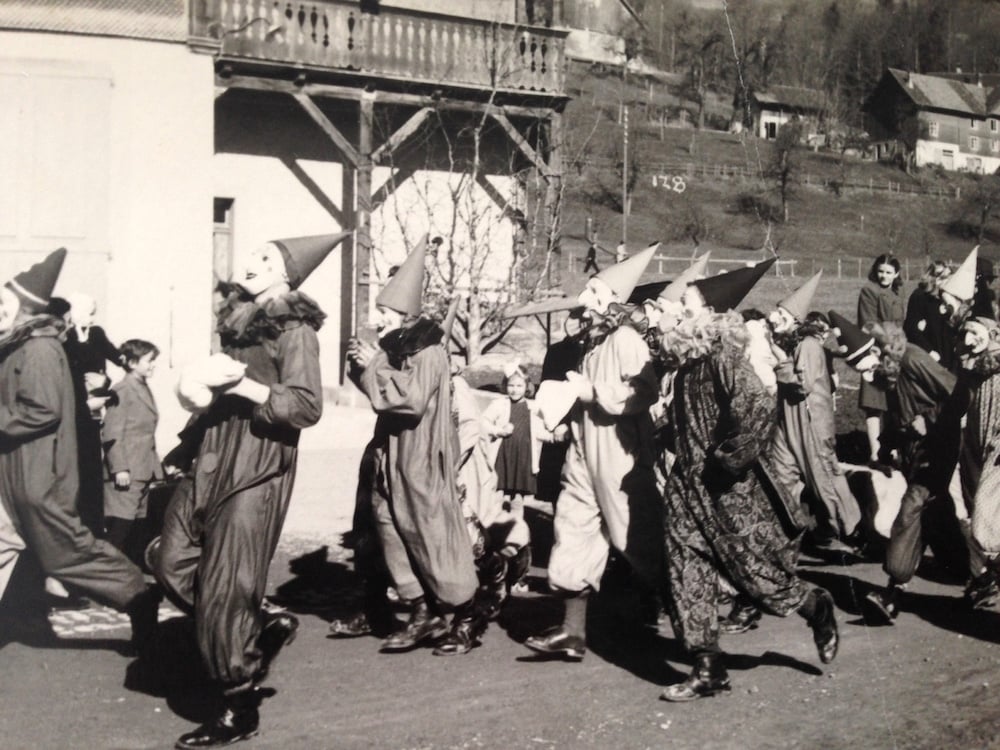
878,302
515,464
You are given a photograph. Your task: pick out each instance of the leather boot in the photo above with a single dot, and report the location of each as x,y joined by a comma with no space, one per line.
422,627
239,720
742,617
468,624
143,614
882,607
492,573
709,677
819,611
278,631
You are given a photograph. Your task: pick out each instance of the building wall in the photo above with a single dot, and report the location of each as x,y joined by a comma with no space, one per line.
492,10
958,130
947,155
106,149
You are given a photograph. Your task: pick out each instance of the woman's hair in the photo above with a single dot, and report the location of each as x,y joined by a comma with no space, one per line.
885,259
815,324
135,349
892,343
937,271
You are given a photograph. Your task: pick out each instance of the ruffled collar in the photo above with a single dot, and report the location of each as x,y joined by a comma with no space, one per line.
618,316
244,322
407,341
40,326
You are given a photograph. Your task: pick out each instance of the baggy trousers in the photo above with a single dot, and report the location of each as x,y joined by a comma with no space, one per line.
213,563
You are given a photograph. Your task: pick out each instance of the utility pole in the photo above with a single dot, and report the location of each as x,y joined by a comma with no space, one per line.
625,174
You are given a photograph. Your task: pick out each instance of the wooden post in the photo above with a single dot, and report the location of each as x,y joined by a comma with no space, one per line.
553,197
348,279
363,218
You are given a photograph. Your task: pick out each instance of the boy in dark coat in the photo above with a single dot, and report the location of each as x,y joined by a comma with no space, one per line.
39,477
222,525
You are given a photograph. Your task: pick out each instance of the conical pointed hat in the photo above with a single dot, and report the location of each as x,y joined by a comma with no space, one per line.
798,302
623,277
303,254
404,292
962,283
34,286
675,289
727,290
855,342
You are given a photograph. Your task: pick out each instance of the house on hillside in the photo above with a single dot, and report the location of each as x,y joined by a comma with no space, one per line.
771,109
597,28
951,120
151,137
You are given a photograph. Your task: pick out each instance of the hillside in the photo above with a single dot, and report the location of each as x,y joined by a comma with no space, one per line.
845,208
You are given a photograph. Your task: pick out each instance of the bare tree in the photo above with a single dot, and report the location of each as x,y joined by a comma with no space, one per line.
784,163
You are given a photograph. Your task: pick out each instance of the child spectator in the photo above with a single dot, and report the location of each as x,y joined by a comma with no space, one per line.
509,421
130,451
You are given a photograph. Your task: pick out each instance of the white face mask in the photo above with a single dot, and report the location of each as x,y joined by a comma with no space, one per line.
10,306
780,320
386,320
693,302
867,366
596,297
259,270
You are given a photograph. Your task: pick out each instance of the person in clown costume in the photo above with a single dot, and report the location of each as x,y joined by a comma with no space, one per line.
222,525
720,524
609,496
415,496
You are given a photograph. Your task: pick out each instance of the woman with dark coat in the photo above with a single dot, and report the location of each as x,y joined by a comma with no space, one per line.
927,322
878,302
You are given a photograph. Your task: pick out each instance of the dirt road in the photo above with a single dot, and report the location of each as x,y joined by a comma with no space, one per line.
930,681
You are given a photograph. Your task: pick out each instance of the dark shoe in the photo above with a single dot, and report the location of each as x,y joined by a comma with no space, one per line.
279,631
143,614
71,603
518,566
741,618
557,642
709,677
350,627
422,627
824,626
461,639
239,720
881,607
492,593
982,591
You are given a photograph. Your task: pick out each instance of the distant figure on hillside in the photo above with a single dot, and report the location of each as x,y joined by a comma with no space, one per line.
591,258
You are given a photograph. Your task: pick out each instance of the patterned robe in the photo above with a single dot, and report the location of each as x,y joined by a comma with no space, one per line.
719,520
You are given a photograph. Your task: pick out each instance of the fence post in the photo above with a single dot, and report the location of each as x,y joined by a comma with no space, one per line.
839,274
859,268
871,185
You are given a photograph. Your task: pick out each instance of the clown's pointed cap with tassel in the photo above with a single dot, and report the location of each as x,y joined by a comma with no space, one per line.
725,291
854,342
622,278
675,289
799,301
962,283
34,286
404,292
303,254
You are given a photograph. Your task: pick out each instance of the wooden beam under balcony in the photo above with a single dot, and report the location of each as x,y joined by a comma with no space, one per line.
352,93
514,134
405,132
339,139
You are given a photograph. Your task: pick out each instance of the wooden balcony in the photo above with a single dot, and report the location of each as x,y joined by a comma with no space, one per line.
409,48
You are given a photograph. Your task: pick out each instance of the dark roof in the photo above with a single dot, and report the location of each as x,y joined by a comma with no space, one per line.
792,97
949,93
163,20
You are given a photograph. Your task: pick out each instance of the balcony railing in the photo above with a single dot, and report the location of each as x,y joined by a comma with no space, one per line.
413,46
